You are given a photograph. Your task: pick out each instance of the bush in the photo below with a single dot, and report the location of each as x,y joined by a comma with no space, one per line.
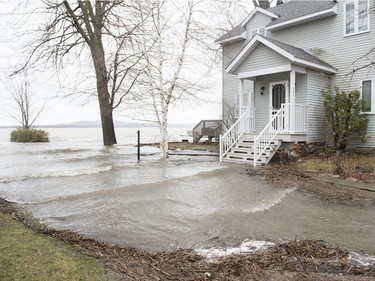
344,119
29,135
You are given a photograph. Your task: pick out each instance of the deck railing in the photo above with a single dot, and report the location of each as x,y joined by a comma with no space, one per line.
244,124
209,128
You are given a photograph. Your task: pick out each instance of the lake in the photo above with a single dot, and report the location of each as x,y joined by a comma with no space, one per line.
75,183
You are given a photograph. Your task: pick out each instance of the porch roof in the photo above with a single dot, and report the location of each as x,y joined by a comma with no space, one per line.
295,55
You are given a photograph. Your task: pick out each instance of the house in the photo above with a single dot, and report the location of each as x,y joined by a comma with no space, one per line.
276,64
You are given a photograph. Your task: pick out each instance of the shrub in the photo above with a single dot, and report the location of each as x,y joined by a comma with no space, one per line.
29,135
344,119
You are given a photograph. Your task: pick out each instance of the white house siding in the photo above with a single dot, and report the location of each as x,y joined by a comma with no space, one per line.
259,20
262,57
327,37
262,102
371,133
301,89
230,81
316,82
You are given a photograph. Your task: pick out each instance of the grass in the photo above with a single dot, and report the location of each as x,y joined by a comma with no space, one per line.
317,164
349,163
25,255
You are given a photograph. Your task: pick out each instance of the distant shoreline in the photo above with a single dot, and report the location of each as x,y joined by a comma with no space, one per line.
72,126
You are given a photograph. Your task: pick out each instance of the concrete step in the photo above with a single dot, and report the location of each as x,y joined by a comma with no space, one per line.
246,157
241,150
251,146
250,142
247,161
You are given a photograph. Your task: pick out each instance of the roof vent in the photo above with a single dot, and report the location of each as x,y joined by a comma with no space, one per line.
279,2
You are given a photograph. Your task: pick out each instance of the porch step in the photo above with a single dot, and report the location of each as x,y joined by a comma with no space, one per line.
237,158
243,151
247,151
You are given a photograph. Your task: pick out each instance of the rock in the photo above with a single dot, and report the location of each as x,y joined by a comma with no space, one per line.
352,179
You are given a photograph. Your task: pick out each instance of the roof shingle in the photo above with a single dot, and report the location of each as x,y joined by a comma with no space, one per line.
288,11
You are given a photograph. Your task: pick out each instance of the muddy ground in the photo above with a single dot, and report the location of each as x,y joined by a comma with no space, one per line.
285,175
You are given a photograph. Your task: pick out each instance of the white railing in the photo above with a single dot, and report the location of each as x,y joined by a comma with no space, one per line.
244,124
269,133
282,121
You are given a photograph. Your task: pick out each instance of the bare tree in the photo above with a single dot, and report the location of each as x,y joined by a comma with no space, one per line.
24,112
172,41
103,30
229,115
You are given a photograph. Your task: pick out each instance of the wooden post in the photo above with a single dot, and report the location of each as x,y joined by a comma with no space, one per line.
139,145
242,85
292,111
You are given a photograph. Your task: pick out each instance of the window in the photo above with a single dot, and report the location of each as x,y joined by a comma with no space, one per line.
260,31
357,16
368,96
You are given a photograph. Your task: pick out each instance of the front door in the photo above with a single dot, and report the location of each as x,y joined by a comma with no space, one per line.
279,94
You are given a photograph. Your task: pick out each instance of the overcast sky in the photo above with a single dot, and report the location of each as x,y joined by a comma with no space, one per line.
46,86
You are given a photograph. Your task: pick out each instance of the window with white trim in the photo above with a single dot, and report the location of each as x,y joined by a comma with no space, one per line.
368,96
356,16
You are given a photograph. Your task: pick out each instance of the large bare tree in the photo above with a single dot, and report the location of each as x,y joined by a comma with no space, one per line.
102,31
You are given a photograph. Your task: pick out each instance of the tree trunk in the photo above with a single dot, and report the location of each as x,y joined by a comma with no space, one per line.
105,104
164,137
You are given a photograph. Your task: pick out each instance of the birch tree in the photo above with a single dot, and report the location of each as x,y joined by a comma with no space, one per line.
172,40
100,30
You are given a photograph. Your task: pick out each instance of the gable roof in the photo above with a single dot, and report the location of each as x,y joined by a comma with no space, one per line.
284,15
267,12
301,11
294,54
236,34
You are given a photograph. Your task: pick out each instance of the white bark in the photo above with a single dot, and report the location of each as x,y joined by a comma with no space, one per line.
164,62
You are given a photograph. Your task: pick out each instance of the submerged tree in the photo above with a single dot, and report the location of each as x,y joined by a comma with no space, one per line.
344,120
25,113
102,30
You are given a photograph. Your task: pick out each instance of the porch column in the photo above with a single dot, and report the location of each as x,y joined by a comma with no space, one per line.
292,113
241,93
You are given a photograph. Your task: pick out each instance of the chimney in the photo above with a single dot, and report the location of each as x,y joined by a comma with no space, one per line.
279,2
265,4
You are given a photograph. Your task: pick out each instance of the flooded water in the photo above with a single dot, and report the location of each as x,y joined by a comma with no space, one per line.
182,202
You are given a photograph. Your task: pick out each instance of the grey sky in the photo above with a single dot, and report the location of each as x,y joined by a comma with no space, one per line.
47,85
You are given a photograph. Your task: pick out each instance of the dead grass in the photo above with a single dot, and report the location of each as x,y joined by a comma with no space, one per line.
347,165
317,164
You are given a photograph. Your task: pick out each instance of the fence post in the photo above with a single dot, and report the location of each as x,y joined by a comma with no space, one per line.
139,145
220,149
255,151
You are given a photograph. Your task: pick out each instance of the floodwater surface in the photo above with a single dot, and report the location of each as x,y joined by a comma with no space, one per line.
181,202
